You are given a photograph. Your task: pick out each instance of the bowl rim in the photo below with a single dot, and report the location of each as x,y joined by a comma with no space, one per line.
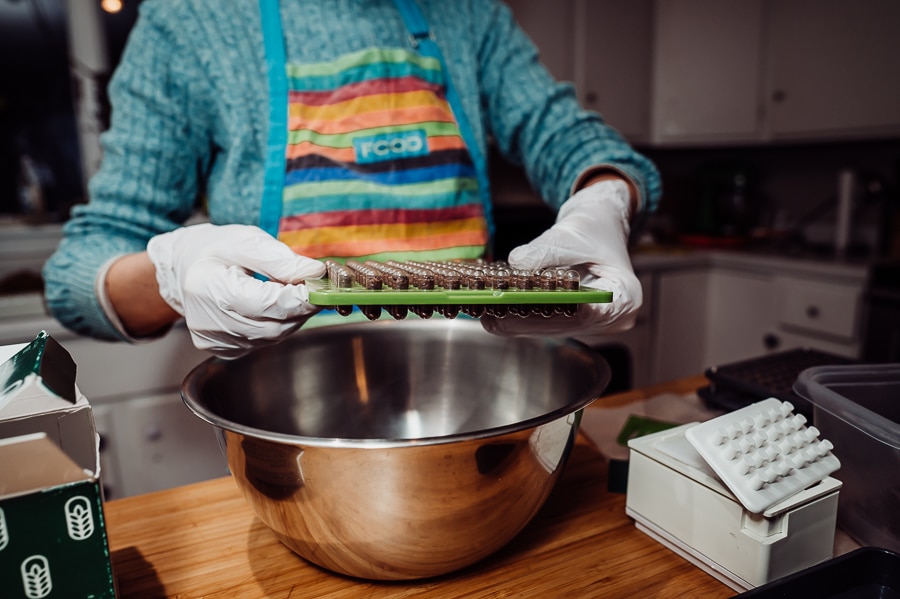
202,371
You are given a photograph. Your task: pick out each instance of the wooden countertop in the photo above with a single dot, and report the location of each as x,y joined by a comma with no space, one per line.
202,540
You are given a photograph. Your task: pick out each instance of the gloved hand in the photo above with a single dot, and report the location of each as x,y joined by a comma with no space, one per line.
205,273
591,235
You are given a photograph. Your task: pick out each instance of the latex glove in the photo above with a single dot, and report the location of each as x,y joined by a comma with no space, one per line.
205,273
590,234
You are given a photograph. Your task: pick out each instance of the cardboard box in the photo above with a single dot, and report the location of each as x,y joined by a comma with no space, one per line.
38,394
53,540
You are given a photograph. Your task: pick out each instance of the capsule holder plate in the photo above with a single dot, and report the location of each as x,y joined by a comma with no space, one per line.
323,293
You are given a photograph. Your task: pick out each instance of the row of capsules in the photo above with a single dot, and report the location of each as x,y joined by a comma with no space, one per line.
476,275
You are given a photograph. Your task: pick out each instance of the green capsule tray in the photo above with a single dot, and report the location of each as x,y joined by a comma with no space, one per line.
323,293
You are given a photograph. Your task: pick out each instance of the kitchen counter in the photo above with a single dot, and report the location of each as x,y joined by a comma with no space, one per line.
202,540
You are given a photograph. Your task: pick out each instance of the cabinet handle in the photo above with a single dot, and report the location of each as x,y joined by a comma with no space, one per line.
590,97
153,432
771,341
779,96
812,311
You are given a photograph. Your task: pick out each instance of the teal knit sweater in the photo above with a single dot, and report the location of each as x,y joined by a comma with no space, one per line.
189,121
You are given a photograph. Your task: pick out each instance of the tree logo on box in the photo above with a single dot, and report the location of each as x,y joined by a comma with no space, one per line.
79,518
36,577
4,531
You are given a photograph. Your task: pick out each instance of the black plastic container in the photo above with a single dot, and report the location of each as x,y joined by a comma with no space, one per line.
865,573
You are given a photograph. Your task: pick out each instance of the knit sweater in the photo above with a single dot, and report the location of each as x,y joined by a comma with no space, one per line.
189,121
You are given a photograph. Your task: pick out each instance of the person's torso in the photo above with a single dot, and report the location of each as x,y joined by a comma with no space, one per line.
327,35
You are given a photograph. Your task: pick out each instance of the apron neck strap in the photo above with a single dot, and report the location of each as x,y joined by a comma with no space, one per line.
276,157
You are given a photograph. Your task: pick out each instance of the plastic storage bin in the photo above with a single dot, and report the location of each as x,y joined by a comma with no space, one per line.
857,407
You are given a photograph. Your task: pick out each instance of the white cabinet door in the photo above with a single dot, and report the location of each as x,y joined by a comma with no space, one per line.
680,310
742,317
637,341
613,57
160,444
604,47
722,314
706,80
834,68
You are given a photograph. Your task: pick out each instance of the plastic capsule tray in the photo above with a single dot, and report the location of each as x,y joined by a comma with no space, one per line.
450,288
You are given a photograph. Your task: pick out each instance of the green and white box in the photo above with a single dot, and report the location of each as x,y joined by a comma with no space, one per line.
53,541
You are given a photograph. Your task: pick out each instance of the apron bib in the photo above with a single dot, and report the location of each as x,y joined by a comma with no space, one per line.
366,158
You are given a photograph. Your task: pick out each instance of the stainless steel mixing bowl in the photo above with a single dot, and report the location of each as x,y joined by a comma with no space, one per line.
398,449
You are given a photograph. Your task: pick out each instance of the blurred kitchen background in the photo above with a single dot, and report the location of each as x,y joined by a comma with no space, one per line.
775,125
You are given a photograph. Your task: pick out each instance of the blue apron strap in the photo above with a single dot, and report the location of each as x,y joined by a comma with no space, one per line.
422,39
276,146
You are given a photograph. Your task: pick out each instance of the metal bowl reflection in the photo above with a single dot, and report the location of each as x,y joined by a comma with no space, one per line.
398,450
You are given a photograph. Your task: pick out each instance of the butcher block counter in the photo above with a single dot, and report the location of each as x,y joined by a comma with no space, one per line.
203,541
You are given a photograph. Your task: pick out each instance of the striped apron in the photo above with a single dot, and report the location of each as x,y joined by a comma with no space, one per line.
369,159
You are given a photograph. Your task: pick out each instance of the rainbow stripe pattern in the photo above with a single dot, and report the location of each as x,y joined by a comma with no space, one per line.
376,165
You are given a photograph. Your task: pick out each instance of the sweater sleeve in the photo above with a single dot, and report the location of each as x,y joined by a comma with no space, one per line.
148,182
536,122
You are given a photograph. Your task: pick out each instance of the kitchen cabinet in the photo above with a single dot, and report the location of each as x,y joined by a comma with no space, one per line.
160,444
680,308
710,316
833,69
775,70
636,343
153,442
731,307
706,71
613,60
602,47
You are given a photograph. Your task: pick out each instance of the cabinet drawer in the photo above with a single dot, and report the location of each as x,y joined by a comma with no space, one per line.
822,308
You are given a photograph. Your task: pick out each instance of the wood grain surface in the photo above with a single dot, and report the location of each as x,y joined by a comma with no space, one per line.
203,541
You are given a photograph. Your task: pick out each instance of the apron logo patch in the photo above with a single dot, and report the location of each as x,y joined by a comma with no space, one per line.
390,146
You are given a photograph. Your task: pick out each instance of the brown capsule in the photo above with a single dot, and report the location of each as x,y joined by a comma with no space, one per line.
560,273
371,312
344,310
522,280
571,280
452,281
371,281
398,312
425,280
520,310
548,281
500,279
343,278
474,310
497,310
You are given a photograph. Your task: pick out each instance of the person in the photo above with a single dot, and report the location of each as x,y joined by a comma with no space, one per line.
330,128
